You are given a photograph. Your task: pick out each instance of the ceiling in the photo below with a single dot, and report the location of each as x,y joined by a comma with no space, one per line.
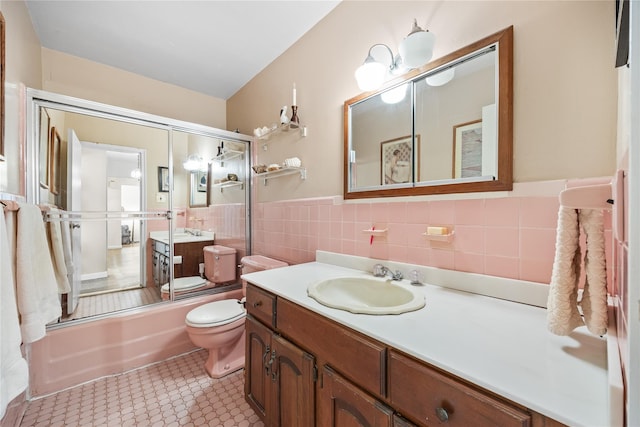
210,46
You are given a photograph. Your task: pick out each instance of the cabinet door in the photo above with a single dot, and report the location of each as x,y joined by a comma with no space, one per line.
257,371
432,398
292,396
342,404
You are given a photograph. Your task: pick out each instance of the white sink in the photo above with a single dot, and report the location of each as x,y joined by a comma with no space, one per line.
366,295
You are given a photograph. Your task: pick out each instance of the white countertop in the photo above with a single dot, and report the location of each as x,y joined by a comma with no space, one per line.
181,236
499,345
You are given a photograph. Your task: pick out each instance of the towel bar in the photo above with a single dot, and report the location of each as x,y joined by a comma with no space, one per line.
587,197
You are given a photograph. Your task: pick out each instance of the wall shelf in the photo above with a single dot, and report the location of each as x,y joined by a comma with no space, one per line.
283,128
228,184
282,172
228,155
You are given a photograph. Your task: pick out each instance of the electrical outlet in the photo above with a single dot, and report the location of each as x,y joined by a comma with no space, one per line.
161,197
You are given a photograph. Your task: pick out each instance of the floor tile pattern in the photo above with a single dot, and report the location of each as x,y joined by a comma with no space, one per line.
176,392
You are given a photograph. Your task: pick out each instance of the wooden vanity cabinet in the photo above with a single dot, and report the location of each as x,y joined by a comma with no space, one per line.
341,403
360,381
431,398
192,255
279,378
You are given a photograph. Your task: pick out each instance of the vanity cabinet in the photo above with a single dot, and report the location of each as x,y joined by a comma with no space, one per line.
279,379
192,255
342,403
360,381
426,395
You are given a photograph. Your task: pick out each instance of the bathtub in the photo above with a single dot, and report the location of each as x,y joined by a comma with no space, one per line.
78,353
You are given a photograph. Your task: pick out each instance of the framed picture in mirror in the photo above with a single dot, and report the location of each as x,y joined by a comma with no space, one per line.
202,181
396,157
467,149
54,161
163,179
43,149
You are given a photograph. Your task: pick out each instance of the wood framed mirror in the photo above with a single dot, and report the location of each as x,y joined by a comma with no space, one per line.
452,123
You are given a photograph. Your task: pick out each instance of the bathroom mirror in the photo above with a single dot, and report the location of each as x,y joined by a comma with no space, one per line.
446,127
125,199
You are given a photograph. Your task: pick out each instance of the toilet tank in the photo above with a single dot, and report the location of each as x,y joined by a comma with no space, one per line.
219,264
253,263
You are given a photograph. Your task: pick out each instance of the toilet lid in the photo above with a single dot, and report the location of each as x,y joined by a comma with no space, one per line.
185,283
215,313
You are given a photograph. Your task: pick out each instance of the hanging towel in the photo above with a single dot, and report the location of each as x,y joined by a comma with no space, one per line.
36,285
562,305
57,254
594,295
563,315
14,373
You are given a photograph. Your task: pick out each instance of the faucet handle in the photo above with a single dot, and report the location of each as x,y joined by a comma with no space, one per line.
379,270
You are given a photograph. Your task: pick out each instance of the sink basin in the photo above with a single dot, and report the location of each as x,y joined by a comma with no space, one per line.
366,295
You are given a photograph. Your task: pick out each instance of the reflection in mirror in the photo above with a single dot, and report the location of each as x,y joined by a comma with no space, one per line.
109,168
131,234
443,128
455,116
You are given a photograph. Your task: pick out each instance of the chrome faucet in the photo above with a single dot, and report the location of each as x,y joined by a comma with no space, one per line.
380,270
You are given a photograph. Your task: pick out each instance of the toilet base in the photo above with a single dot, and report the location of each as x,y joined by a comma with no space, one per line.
224,361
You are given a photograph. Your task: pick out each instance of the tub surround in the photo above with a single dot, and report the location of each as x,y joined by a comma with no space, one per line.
122,341
497,344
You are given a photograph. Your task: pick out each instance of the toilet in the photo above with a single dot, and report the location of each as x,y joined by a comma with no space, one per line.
219,326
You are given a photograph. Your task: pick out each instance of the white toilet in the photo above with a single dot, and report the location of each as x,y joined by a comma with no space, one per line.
219,326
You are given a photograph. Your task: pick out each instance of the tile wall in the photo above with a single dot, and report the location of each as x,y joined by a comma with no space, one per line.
511,237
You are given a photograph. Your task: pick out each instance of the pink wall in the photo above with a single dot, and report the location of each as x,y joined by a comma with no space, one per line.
511,237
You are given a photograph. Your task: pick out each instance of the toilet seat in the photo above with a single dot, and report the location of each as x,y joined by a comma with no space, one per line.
216,313
185,283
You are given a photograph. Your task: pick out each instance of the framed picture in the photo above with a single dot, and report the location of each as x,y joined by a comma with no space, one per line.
396,165
54,161
43,148
467,149
201,181
163,179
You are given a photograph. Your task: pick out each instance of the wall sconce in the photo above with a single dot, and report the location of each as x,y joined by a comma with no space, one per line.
194,163
415,50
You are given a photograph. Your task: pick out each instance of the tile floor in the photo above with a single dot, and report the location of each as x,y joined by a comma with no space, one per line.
176,392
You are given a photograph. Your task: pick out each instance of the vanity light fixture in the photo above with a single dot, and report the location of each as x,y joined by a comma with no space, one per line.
194,163
136,173
372,73
395,95
441,78
415,50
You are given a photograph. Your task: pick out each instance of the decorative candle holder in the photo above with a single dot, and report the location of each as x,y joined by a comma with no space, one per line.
294,123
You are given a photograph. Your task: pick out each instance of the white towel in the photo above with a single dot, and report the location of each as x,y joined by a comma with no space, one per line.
57,256
36,285
14,371
563,315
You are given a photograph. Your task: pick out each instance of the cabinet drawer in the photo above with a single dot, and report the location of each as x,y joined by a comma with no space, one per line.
357,357
261,305
431,398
